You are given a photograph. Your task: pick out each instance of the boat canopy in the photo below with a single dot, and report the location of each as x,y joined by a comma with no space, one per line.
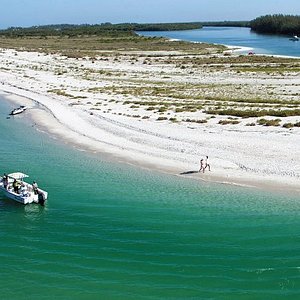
17,175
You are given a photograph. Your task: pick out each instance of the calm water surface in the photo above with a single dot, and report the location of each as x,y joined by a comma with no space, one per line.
111,231
236,36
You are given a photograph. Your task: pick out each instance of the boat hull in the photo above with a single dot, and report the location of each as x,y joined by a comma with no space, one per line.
13,113
24,198
15,197
17,111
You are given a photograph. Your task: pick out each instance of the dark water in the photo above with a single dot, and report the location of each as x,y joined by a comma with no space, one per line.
112,231
236,36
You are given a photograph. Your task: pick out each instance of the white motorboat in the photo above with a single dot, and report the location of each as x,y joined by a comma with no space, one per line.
18,110
294,38
14,187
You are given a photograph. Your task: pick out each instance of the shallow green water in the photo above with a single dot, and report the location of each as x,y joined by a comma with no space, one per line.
111,231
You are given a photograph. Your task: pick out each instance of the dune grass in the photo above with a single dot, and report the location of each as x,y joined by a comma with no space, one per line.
174,90
82,46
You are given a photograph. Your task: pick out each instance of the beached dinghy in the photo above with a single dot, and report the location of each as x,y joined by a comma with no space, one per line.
18,110
295,38
14,187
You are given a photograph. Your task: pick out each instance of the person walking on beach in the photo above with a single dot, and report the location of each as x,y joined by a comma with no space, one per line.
207,164
201,165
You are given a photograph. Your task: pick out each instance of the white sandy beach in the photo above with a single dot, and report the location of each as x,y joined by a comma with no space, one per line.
239,154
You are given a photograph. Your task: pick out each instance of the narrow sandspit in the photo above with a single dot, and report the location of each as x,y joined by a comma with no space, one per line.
164,111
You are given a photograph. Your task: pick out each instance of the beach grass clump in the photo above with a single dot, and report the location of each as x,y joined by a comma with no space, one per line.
151,108
162,118
255,113
163,109
65,94
227,122
202,121
94,89
269,69
179,109
291,125
60,72
288,125
265,122
75,103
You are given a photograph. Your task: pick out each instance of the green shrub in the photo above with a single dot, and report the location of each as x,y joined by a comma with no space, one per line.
150,108
226,122
162,109
264,122
195,121
288,125
254,113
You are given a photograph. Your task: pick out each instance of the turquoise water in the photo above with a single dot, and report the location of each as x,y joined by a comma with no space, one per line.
112,231
236,36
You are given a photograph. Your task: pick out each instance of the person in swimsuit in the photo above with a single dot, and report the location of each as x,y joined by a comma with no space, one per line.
207,164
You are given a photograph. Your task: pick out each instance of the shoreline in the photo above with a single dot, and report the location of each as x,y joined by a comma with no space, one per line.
260,157
47,123
231,48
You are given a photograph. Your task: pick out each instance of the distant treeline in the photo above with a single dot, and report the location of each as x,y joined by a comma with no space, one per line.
99,29
166,26
277,24
67,30
273,24
227,24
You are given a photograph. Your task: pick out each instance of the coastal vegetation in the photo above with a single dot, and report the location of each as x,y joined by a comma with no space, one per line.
155,78
227,23
92,45
255,112
124,29
271,24
265,122
277,24
166,26
229,121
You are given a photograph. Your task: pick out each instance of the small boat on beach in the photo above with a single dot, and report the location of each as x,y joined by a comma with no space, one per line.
295,38
18,110
14,187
